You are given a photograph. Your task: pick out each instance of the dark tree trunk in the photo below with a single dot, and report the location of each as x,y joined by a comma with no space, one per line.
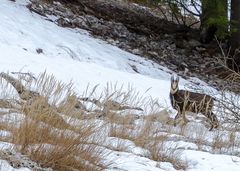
235,36
235,20
212,12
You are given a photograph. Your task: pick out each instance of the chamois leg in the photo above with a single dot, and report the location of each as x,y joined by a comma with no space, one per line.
210,129
185,103
185,120
212,119
181,113
177,116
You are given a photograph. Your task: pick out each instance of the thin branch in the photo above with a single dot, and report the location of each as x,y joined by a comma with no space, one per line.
195,4
186,8
164,14
183,18
174,13
196,22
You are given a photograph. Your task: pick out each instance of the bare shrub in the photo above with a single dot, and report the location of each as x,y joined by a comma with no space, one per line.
229,93
229,108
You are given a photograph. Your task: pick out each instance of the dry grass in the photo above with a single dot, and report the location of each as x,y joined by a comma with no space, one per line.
59,131
198,136
147,134
218,141
52,136
60,150
151,138
171,155
144,131
225,142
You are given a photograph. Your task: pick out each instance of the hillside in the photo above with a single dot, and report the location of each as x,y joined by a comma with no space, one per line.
54,133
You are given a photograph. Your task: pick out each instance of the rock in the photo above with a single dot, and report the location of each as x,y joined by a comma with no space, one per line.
194,43
153,53
63,22
200,49
18,160
136,51
39,50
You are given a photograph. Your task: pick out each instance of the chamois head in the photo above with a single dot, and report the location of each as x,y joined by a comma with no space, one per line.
174,84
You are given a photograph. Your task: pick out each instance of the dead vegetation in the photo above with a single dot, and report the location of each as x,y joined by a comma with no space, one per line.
147,132
61,130
157,143
229,93
49,134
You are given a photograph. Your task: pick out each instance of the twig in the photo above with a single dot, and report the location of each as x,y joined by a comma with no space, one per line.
195,7
189,11
25,73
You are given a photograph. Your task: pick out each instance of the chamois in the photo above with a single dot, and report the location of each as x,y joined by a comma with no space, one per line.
187,101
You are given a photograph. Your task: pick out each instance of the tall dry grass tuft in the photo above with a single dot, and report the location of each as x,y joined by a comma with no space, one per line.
58,149
50,133
225,143
60,130
147,133
143,130
156,142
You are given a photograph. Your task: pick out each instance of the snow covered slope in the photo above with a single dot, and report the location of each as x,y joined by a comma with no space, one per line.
70,54
73,54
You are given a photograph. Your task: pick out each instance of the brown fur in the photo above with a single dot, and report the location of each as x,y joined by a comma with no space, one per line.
183,101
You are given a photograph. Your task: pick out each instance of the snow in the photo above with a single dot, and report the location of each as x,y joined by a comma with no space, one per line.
22,35
5,166
214,162
131,162
74,55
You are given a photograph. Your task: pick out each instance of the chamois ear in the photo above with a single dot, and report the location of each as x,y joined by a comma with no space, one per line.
177,79
172,78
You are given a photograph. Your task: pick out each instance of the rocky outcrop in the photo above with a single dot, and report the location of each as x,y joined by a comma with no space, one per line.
136,18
